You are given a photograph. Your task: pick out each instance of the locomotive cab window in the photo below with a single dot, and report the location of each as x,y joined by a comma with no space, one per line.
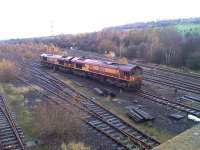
44,58
127,74
138,71
79,66
61,62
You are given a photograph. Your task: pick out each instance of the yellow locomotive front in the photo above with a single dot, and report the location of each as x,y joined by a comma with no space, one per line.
133,75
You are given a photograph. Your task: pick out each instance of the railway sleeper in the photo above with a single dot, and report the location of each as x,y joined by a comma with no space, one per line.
93,107
101,125
8,139
151,143
100,113
106,128
105,116
112,120
5,127
127,130
95,122
98,110
134,133
139,137
7,136
122,127
120,148
3,121
125,141
110,132
8,132
15,147
11,144
117,125
117,135
9,129
115,121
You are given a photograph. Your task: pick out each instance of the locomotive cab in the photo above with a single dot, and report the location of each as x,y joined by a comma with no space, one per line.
137,72
133,75
61,61
43,57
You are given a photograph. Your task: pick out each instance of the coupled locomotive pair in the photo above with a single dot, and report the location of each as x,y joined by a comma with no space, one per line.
126,76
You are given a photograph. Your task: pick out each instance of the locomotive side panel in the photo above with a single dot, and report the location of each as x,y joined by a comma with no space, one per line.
112,72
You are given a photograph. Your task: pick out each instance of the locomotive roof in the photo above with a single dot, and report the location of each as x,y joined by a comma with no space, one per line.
123,67
81,60
51,56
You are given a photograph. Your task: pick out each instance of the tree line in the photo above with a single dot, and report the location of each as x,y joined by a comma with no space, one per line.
158,45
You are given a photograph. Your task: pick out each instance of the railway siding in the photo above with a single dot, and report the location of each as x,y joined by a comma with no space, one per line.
11,136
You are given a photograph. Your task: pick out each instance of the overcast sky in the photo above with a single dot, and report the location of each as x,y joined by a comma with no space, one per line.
30,18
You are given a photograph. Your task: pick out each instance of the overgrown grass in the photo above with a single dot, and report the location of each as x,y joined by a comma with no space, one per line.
63,146
15,98
74,146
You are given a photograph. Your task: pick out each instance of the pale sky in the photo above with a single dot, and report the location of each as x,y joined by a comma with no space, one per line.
33,18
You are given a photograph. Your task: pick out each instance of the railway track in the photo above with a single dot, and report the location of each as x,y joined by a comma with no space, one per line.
168,103
191,75
185,82
172,82
171,78
172,85
100,118
11,136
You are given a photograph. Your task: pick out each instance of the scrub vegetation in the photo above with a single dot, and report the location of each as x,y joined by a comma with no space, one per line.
8,70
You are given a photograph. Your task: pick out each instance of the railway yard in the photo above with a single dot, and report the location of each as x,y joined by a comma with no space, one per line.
118,119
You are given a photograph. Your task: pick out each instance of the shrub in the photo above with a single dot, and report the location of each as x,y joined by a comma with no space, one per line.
8,70
29,54
55,124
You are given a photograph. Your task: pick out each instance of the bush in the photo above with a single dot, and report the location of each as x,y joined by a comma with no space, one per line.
8,70
29,54
55,124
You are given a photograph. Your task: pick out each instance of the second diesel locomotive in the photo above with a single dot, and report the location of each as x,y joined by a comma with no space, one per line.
126,76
